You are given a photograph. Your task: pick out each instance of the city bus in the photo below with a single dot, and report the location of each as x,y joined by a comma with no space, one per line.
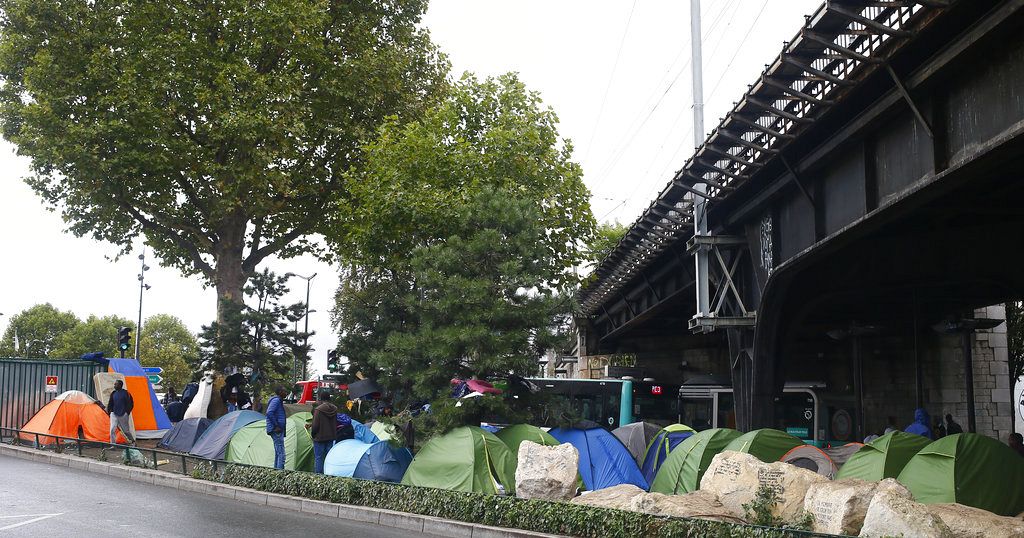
805,410
616,402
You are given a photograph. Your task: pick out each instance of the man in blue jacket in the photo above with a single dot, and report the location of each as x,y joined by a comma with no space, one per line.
920,424
276,424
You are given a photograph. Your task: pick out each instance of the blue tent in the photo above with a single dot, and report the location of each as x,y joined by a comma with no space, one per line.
604,460
182,437
369,461
363,432
213,443
657,451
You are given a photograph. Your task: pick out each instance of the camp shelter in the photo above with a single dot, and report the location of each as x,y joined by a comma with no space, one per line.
969,469
251,445
884,457
363,432
604,460
377,461
464,459
183,435
149,416
64,415
199,405
384,432
684,466
664,442
811,458
637,437
214,441
841,453
514,435
766,444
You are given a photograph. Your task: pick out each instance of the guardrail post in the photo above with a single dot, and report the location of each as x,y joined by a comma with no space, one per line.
184,465
154,458
37,440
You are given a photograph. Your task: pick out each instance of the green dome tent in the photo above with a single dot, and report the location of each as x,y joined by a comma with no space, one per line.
253,446
969,469
684,467
513,436
767,445
884,457
384,432
464,459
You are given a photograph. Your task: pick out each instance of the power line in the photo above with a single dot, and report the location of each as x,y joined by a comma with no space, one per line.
738,49
611,78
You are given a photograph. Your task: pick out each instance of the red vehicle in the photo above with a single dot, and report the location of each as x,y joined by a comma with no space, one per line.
307,390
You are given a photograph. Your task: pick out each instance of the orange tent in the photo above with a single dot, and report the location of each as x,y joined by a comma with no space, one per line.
65,414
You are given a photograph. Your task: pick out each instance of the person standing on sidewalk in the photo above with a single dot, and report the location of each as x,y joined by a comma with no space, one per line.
324,430
120,407
276,423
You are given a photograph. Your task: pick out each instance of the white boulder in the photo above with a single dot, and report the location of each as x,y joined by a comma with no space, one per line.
969,522
698,504
546,472
619,497
734,477
893,512
839,507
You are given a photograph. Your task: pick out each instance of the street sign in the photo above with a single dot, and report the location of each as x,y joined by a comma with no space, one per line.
51,383
152,370
155,379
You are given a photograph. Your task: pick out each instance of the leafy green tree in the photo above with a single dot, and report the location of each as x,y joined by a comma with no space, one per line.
94,334
492,133
167,343
223,131
369,305
604,241
36,332
259,340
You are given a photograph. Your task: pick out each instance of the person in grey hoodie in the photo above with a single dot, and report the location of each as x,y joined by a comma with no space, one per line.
324,430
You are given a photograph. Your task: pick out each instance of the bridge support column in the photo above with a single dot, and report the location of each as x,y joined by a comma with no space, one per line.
753,382
965,342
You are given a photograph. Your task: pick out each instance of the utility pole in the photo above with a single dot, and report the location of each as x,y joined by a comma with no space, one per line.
700,221
142,286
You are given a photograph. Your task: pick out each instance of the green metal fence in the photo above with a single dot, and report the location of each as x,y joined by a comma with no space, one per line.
23,385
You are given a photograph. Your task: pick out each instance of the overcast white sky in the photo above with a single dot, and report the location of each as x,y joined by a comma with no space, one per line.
630,122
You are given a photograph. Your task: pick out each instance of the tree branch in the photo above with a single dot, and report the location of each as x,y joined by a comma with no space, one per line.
257,235
257,256
183,243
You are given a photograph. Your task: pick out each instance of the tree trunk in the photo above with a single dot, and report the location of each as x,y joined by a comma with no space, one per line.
229,277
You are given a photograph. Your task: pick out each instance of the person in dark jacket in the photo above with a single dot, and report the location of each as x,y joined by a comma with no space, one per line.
324,428
920,425
120,406
951,426
276,424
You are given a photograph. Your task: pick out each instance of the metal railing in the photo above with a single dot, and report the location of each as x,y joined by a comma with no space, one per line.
60,444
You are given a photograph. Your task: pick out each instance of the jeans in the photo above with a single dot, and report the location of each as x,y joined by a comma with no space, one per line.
278,438
320,450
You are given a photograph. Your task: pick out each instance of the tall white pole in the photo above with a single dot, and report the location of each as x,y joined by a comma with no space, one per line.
700,223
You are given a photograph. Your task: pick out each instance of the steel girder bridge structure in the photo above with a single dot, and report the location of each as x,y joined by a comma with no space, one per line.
871,175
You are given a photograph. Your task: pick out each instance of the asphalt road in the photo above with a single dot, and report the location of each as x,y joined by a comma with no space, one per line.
37,499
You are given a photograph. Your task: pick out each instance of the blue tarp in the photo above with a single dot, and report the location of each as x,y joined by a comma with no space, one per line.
369,461
658,451
604,460
182,437
213,443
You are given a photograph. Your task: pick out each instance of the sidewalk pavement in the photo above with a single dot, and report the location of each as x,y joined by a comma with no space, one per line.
387,518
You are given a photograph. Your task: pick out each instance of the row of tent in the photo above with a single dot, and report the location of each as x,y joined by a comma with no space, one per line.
969,469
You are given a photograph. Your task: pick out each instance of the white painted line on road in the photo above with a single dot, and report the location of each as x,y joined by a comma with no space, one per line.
37,518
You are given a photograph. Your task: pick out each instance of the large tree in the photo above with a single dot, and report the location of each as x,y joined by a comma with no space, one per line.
221,131
94,334
36,332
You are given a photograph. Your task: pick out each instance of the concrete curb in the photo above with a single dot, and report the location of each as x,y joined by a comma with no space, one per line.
384,518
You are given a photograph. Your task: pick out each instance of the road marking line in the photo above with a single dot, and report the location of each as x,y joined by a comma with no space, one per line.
37,518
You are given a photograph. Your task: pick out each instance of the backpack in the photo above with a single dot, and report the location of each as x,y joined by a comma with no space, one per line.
344,429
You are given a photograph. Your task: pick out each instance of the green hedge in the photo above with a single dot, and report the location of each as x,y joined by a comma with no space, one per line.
509,512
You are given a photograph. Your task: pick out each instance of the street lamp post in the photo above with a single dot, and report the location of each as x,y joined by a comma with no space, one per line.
305,338
142,287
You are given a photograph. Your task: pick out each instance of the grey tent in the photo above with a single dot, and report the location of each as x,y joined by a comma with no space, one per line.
363,388
636,436
213,443
183,435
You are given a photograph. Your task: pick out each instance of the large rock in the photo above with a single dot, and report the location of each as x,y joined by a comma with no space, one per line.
547,472
969,522
839,507
619,497
699,504
893,512
734,478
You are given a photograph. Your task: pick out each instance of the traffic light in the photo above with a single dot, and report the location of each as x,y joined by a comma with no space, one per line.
332,360
124,339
